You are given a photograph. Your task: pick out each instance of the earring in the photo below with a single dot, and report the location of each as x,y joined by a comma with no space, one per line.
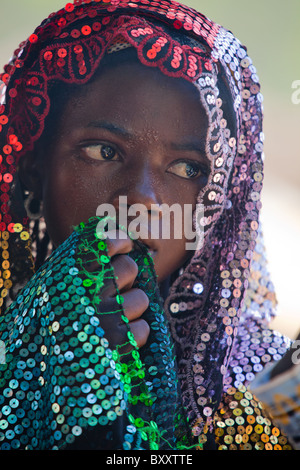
33,206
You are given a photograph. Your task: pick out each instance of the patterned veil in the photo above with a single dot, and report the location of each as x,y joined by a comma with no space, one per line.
217,310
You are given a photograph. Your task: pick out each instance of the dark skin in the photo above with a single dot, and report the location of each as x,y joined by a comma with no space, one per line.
131,132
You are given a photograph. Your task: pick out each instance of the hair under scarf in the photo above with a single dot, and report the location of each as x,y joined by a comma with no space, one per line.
219,307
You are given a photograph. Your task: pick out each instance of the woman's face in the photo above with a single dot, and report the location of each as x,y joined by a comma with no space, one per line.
131,132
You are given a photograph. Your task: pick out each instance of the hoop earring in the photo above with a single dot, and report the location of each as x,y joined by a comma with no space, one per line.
34,207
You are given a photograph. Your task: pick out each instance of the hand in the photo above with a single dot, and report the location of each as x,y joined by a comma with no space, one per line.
135,300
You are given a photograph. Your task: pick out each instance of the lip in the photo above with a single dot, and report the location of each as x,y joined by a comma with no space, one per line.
150,248
147,241
152,253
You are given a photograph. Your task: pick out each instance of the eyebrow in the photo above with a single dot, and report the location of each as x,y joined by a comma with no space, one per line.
110,127
195,145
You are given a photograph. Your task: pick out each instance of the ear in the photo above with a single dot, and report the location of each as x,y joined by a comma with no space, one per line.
30,174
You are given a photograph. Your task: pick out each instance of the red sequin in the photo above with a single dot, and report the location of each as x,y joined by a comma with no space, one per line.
13,139
48,55
96,26
86,30
33,38
175,63
7,149
36,101
7,178
177,24
75,33
151,54
62,53
69,7
78,49
3,119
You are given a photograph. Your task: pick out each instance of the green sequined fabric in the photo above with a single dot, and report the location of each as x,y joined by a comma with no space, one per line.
64,386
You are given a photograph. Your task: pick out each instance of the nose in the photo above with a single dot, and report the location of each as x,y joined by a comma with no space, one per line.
137,203
141,186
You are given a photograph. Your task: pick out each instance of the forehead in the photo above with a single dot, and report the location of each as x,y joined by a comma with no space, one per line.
139,97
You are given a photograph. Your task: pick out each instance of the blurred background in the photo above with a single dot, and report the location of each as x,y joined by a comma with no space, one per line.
271,31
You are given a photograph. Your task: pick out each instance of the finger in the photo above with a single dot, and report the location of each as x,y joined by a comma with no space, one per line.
124,274
125,271
140,330
118,242
135,303
116,329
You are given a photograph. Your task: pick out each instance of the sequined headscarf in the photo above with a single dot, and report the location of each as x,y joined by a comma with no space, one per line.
219,306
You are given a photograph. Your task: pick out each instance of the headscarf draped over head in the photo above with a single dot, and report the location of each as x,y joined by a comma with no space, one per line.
219,306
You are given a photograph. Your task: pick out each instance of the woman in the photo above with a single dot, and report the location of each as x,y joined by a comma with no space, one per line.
154,350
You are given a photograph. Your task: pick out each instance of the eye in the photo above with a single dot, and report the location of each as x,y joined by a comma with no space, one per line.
100,152
188,170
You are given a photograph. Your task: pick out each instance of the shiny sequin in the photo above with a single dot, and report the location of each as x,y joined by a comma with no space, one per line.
242,424
63,364
61,379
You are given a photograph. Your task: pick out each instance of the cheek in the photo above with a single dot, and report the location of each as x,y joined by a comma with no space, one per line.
171,256
182,191
179,242
70,196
